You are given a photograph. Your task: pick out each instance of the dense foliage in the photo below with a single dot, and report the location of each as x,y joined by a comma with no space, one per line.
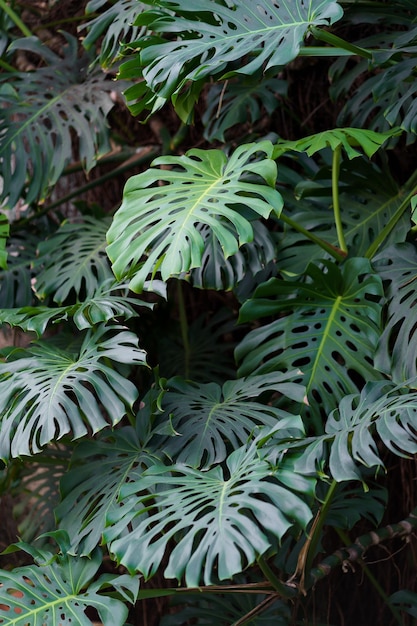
208,378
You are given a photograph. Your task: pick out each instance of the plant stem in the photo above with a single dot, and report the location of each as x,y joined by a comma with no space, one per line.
383,234
6,66
344,537
336,253
334,40
285,591
184,329
15,18
335,195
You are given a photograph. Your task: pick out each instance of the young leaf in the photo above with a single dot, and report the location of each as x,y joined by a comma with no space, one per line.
59,593
220,519
46,392
330,328
160,221
349,138
40,112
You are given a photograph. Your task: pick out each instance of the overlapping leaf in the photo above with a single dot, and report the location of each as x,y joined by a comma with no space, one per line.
329,330
116,26
206,419
61,592
46,393
381,412
73,259
396,353
239,103
40,112
208,39
160,221
221,519
91,488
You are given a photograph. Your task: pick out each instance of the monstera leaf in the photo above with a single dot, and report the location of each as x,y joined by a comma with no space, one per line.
240,102
116,26
220,519
218,272
46,392
396,353
205,419
41,110
15,280
90,489
351,431
330,327
73,258
60,593
210,39
160,221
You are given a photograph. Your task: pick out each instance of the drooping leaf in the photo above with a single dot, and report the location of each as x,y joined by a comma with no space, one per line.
329,329
116,24
209,39
218,272
46,393
90,489
159,221
206,419
220,519
239,103
40,111
73,258
348,138
396,353
60,593
382,412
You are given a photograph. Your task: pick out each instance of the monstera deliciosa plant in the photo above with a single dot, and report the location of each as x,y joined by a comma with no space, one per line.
209,388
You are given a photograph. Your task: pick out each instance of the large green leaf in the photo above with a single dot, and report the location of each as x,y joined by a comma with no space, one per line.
381,409
115,24
160,221
73,259
90,489
60,592
46,392
206,419
210,38
329,330
221,519
396,353
41,110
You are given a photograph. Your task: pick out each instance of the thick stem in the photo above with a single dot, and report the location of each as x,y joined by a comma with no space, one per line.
335,195
336,253
184,329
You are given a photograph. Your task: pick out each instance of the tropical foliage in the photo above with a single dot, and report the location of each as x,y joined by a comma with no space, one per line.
208,364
